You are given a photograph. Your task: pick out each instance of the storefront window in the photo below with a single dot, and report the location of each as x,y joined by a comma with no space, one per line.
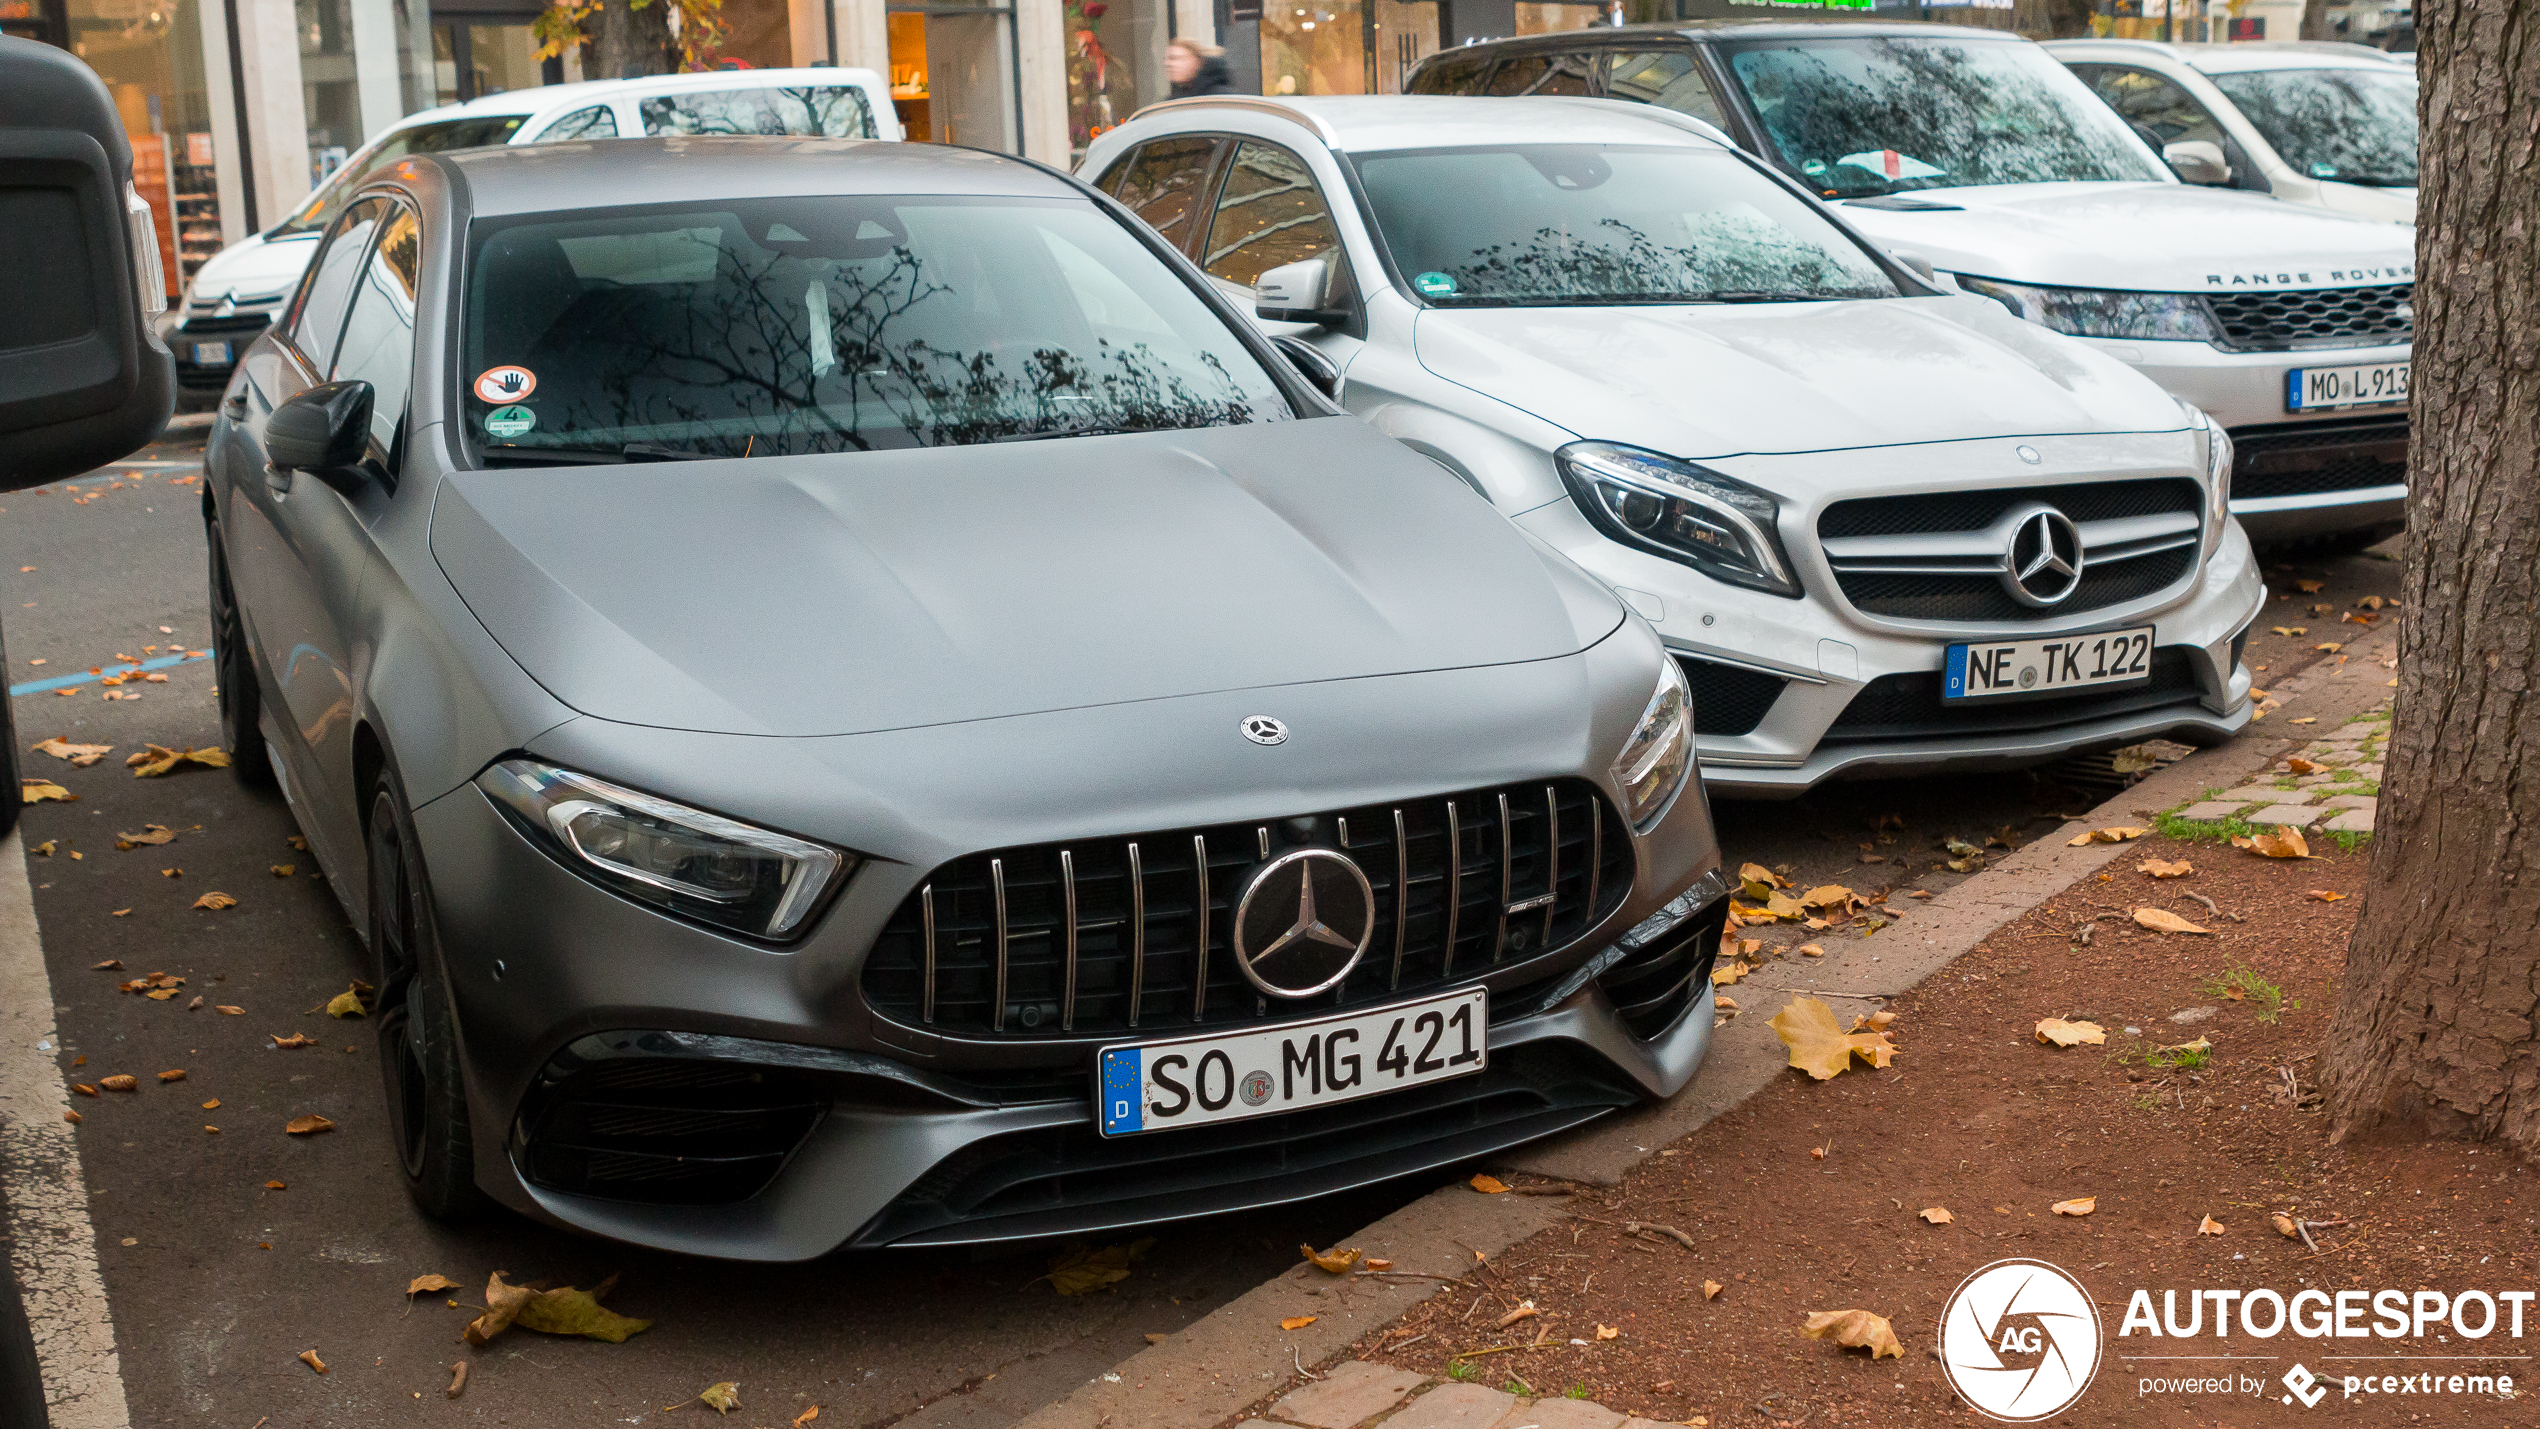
472,60
1313,47
1552,17
150,54
953,75
327,83
1109,70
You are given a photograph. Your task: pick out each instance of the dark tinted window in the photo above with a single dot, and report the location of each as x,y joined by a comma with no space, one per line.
596,122
379,336
829,111
1269,215
319,316
320,208
2156,104
1667,78
1162,184
2356,126
1542,74
1458,74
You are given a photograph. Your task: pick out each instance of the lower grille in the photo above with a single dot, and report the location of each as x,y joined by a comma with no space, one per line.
1099,937
1651,987
662,1130
2313,458
2314,317
1910,706
1729,699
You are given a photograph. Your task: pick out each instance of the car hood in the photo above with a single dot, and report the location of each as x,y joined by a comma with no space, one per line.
253,268
2390,205
846,594
2163,238
1714,380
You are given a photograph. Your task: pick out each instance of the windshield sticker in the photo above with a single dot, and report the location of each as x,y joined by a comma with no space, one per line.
1435,285
509,422
2323,171
505,384
1891,164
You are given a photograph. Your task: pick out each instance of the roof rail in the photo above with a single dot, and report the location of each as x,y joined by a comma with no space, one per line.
1259,102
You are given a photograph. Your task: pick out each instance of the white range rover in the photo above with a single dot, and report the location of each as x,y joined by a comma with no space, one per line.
1884,526
1976,152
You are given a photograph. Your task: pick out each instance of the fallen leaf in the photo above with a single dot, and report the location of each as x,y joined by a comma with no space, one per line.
1783,906
1488,1185
1525,1311
120,1083
1758,873
227,1010
1337,1263
212,1105
722,1398
422,1283
171,872
294,1040
109,965
36,791
1608,1332
2200,1046
2164,921
2285,842
84,1089
150,834
1818,1044
2299,765
806,1417
1918,893
1723,1001
173,1074
2210,1227
2161,868
551,1312
1378,1263
2284,1226
119,913
310,1358
1937,1215
2309,587
282,870
2058,1032
74,1118
215,901
309,1125
276,1186
2325,895
2290,629
458,1377
196,1005
160,994
2080,1207
158,759
1854,1329
45,848
80,755
1818,1153
1878,1021
2330,647
1727,973
1831,895
347,1003
2372,602
2103,836
1298,1322
1080,1270
1810,950
1711,1289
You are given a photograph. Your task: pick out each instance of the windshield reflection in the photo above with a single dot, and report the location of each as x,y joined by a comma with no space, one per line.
2356,126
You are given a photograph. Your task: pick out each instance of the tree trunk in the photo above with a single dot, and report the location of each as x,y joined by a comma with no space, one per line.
2315,24
2435,1030
632,42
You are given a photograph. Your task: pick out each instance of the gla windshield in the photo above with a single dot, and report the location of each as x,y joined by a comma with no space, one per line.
779,326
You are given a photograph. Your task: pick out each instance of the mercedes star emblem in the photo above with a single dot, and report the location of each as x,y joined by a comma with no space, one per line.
2042,559
1303,922
1262,729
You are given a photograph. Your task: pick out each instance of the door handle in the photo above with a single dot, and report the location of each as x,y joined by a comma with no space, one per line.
234,406
277,481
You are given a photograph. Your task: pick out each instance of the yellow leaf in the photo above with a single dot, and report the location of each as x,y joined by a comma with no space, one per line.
80,755
2326,895
806,1417
2309,587
282,870
2057,1032
212,1105
1818,1044
309,1125
2165,921
347,1003
215,901
1782,905
1488,1185
1811,950
2284,1226
158,759
1727,973
120,1082
1608,1332
2298,765
2329,647
1081,1269
1758,873
173,1074
2080,1207
1874,1022
2116,835
310,1358
1337,1263
1724,1001
2210,1227
2200,1045
36,791
2285,842
226,1010
1298,1322
1854,1329
422,1283
150,834
722,1397
2160,868
1831,895
1711,1289
551,1312
1937,1215
2290,629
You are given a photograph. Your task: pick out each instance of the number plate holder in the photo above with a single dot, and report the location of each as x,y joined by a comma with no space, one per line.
1168,1084
2000,671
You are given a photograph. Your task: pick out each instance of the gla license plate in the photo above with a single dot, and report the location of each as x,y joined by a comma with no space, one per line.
2108,659
211,354
1193,1081
2372,384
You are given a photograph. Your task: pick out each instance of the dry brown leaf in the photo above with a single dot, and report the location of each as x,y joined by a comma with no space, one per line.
1608,1332
310,1358
1081,1269
722,1397
1727,973
1724,1002
2285,842
2329,647
2210,1227
212,1105
109,965
227,1010
1818,1044
283,1043
1337,1263
1711,1289
150,834
1810,950
2080,1206
36,791
458,1380
2325,895
1488,1185
74,1118
158,759
160,994
2284,1226
2373,602
1785,907
84,1089
2164,921
120,1083
1878,1021
1758,874
2299,765
347,1003
806,1417
2115,835
1377,1262
2165,868
309,1125
1830,895
46,848
422,1283
276,1186
80,755
1854,1329
173,1074
1937,1215
2055,1031
551,1312
196,1005
215,901
282,870
1298,1322
2309,587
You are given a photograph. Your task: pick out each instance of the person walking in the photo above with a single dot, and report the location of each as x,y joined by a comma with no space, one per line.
1196,69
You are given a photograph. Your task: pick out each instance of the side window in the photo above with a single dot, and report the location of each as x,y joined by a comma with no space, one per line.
1456,75
1269,215
1667,78
827,111
1543,74
319,314
1164,183
379,336
596,122
2157,105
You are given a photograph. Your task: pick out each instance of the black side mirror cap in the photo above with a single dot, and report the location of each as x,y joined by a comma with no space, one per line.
325,428
1310,364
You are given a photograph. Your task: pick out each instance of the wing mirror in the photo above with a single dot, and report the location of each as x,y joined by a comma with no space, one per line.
2198,161
1917,262
325,428
1307,292
1310,363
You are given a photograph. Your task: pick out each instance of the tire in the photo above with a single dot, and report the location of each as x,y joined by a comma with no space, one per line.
234,671
418,1040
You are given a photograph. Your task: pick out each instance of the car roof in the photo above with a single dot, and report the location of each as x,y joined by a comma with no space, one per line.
1363,123
1606,36
617,173
2240,56
539,98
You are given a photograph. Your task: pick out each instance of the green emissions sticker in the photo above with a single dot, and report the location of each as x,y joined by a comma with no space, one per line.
1434,285
510,422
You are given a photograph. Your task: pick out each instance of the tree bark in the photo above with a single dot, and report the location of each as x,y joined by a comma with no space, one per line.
2315,24
631,42
2435,1031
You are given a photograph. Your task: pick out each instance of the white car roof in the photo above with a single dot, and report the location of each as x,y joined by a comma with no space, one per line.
2239,57
1371,122
541,98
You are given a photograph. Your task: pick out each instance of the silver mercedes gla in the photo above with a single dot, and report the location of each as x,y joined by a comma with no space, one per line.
858,701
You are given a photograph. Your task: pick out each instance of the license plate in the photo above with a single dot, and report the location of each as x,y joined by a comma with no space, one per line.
211,354
1193,1081
2105,659
2371,384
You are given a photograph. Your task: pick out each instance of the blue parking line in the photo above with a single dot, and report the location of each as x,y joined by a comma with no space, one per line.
64,682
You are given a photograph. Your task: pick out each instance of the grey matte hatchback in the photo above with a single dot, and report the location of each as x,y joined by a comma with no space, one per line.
857,702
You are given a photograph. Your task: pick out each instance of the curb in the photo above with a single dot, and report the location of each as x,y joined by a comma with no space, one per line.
1237,1358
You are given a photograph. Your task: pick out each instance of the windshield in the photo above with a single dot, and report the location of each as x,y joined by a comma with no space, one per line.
769,327
1568,224
2357,126
320,208
1877,116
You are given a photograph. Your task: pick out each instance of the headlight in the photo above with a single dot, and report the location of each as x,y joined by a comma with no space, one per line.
2218,459
705,866
2096,312
1655,759
1720,527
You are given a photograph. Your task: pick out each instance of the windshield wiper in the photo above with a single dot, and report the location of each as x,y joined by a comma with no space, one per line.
630,452
1067,432
1763,295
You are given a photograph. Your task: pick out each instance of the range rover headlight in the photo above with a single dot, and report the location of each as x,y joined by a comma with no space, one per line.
2100,312
708,867
1655,760
1719,526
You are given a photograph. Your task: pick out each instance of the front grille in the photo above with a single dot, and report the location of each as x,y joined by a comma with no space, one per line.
1728,699
1910,706
2315,317
1975,509
2311,458
2127,571
1101,936
1982,598
664,1130
245,325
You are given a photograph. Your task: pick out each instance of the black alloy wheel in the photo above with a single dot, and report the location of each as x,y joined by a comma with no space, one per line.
418,1043
234,673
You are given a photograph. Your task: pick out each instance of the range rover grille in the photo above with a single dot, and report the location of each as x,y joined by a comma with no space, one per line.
2315,317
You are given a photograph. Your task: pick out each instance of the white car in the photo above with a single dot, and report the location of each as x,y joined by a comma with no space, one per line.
2325,124
1975,152
239,290
1885,527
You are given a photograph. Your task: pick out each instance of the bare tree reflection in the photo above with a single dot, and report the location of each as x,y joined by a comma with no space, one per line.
1616,262
2359,127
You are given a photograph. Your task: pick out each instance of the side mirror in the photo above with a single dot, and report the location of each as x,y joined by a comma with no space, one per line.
1311,364
2198,161
325,428
1307,292
1917,262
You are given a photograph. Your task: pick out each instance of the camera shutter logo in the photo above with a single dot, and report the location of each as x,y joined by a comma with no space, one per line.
2020,1340
2306,1387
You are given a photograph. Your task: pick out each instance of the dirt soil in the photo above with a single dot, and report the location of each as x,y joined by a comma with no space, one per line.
1806,1198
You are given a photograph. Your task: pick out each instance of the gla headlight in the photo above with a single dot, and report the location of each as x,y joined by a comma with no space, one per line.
2218,459
2098,312
1720,527
1656,759
707,867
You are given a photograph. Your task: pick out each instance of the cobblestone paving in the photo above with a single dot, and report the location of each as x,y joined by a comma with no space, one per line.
2338,791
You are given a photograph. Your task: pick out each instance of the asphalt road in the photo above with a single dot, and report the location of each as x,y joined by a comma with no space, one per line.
217,1280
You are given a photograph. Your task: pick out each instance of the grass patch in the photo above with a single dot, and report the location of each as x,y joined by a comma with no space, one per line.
2171,826
2179,1059
1459,1371
2350,840
2244,984
1576,1391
